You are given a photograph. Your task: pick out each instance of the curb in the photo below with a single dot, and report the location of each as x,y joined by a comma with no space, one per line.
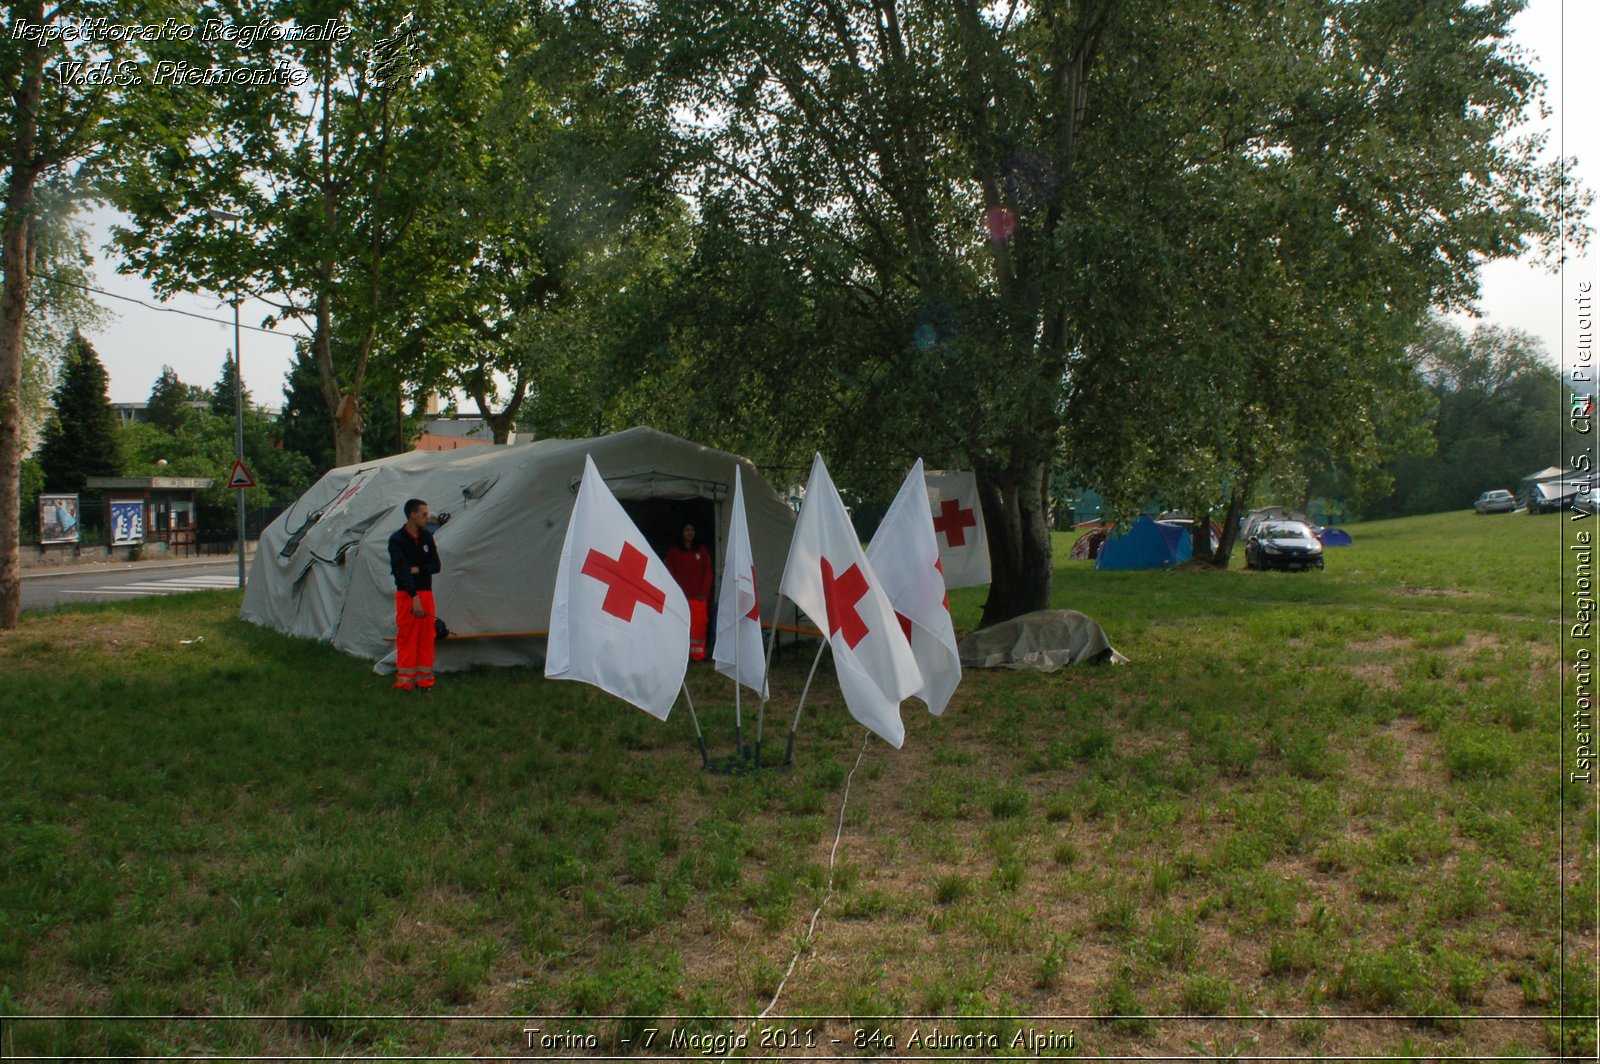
80,568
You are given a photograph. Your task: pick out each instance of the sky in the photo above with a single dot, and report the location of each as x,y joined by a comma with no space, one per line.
142,339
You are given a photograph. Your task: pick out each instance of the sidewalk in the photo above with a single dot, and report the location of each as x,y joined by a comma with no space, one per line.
78,568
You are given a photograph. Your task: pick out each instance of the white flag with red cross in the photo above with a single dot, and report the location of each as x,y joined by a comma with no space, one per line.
958,525
739,654
905,555
618,620
828,576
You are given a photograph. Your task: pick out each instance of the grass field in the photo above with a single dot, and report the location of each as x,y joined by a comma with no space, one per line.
1316,814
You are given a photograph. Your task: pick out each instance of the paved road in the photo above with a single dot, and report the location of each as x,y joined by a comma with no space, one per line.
46,591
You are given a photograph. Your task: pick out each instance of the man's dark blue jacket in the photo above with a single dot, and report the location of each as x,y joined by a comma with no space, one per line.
405,552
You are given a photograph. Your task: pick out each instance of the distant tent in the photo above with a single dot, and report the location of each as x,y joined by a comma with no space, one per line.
1529,493
1561,494
1087,548
1333,537
1178,517
1147,544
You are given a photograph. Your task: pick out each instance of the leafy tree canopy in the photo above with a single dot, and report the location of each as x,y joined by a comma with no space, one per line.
59,305
65,130
1495,404
203,445
326,175
1174,240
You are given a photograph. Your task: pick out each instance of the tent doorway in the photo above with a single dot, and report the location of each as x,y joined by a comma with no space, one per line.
662,521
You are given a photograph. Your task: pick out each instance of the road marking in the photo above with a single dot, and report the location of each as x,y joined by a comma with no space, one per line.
162,587
192,582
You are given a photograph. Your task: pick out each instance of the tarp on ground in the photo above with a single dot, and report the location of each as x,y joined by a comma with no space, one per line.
1045,640
321,569
1146,544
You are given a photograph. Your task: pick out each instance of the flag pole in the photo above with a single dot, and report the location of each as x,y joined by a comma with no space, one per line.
756,758
772,640
705,762
788,752
738,718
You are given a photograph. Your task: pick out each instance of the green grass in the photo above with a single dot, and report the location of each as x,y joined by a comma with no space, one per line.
1308,794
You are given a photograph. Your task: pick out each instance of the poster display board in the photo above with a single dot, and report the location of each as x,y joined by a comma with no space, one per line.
58,519
127,522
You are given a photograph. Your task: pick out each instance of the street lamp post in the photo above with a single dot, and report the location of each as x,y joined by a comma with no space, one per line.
238,390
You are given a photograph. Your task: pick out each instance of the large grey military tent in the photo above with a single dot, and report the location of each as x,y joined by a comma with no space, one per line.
322,568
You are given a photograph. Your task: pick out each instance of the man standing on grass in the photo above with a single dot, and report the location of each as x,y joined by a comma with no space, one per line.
413,558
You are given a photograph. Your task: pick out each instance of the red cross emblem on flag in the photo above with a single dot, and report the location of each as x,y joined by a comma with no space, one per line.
953,521
905,622
626,586
755,607
840,596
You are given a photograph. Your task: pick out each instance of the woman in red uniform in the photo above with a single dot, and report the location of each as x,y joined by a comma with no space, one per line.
690,565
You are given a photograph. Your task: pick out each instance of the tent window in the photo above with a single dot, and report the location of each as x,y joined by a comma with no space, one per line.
354,536
299,534
478,488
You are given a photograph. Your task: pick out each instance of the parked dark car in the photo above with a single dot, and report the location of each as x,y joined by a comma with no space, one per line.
1282,545
1549,496
1495,502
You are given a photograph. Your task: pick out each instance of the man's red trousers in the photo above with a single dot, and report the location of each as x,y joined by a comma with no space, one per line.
413,645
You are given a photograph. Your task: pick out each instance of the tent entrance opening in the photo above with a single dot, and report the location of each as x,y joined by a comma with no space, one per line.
662,521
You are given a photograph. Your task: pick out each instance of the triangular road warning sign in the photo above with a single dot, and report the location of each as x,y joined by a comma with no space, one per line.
240,477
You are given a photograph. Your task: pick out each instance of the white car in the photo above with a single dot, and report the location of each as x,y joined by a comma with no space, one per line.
1495,502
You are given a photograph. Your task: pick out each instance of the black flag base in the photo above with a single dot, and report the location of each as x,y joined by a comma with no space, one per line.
747,762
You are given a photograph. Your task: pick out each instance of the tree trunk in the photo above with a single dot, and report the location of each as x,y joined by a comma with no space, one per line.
502,423
1200,537
347,430
16,260
1016,515
13,309
1230,527
345,406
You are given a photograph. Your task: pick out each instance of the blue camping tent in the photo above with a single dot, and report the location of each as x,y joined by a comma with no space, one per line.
1147,544
1333,537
